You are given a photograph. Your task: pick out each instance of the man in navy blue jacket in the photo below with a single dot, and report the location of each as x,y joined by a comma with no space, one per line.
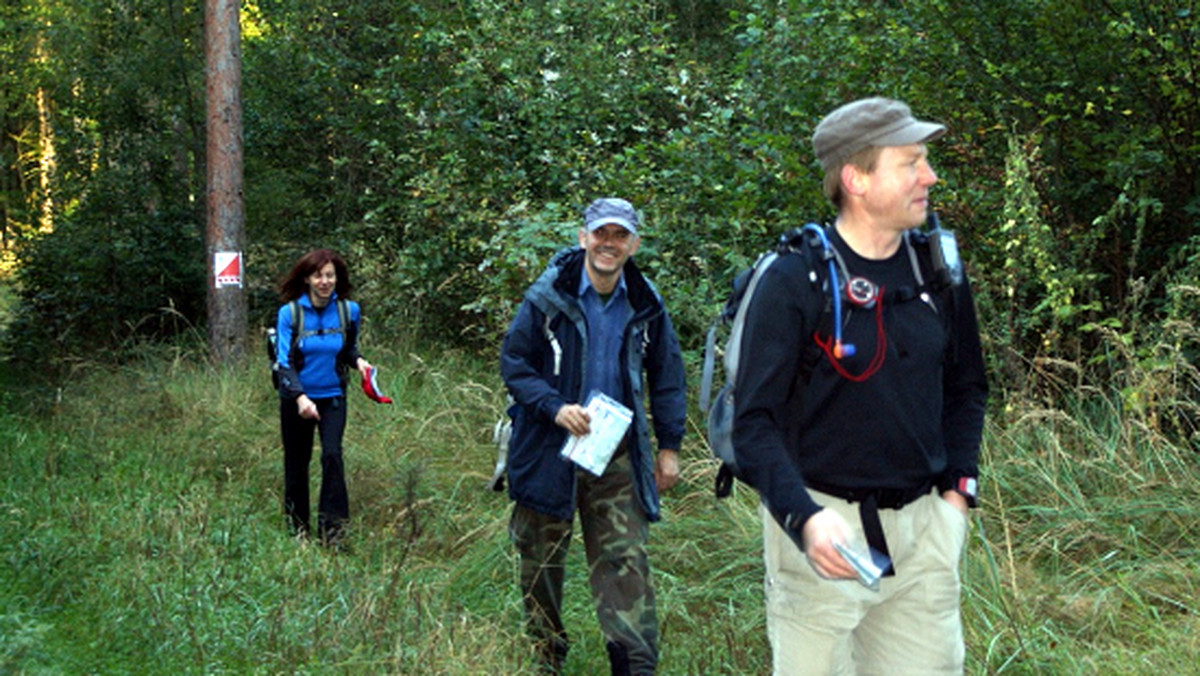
592,323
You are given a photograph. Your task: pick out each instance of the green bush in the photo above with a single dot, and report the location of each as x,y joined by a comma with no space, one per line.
103,279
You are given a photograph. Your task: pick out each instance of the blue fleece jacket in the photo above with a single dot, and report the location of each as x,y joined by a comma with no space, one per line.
318,366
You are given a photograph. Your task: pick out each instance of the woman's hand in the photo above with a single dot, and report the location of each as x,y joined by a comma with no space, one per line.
307,408
364,367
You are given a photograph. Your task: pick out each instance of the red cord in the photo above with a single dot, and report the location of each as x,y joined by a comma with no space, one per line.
828,347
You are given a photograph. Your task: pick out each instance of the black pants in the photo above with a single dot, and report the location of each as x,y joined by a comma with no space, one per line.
334,506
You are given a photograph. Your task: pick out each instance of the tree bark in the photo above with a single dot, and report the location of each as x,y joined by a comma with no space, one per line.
46,157
226,208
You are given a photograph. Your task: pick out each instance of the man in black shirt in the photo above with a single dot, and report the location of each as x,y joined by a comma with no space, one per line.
868,450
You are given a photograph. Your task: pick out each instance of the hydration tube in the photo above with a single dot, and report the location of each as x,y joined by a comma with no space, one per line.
839,350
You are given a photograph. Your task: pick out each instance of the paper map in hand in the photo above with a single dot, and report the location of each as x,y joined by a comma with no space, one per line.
609,422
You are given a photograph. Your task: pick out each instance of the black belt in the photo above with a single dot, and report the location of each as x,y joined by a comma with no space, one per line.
870,501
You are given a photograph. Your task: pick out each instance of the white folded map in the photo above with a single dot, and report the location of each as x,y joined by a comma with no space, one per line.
610,419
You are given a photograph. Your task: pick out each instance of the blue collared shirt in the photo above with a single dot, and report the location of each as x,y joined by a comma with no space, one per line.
606,331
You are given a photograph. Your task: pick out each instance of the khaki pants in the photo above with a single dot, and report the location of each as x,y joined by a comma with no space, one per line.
911,626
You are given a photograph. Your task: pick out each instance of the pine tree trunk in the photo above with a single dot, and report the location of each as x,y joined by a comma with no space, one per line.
226,209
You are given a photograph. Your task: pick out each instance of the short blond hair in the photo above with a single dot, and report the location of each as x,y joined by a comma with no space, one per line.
865,160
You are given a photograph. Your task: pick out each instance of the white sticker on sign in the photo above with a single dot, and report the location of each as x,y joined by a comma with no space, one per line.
228,268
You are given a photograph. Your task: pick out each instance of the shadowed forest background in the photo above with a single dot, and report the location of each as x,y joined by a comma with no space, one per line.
445,148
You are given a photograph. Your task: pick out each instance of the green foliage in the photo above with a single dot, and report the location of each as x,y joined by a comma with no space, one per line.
125,258
1047,294
439,146
103,278
549,94
17,137
524,241
1107,97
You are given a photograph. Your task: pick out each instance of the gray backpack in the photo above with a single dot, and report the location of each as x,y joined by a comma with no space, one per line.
719,410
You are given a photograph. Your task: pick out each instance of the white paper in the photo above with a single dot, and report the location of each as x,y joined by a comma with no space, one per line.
610,419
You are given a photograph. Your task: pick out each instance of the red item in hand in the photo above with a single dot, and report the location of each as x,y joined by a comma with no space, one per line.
370,386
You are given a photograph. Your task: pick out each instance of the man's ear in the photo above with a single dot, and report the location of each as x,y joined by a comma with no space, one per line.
583,237
854,180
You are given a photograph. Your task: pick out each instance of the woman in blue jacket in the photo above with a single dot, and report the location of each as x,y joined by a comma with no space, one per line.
318,324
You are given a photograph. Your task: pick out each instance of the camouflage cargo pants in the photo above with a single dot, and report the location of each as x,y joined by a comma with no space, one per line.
615,530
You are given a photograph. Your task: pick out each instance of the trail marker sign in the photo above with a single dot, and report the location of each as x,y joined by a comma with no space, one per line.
227,266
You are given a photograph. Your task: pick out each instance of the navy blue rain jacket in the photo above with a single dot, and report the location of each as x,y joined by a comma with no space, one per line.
538,477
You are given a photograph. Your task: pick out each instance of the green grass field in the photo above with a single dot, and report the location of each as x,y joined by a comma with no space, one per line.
142,533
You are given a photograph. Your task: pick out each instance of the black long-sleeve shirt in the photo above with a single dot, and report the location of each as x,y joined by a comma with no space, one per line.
916,422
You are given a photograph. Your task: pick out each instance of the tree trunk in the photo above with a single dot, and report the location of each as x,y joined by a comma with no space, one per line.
226,209
46,158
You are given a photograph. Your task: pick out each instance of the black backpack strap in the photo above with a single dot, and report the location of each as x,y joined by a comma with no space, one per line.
941,292
350,340
297,314
343,314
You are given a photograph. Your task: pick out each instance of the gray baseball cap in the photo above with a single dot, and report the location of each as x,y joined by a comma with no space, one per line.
611,210
865,123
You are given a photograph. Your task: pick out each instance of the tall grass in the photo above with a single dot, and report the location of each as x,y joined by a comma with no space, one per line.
142,533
